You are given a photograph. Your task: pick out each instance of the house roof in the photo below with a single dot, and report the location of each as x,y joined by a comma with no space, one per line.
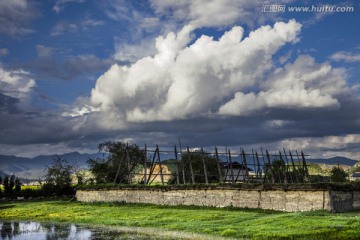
236,165
357,175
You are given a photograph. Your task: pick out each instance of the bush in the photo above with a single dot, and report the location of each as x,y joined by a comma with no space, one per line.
31,193
338,175
58,179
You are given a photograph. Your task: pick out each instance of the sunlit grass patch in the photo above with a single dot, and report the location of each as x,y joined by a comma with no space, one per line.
228,222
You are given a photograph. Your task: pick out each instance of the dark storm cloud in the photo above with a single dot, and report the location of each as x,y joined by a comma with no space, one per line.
265,128
70,68
8,104
22,129
15,17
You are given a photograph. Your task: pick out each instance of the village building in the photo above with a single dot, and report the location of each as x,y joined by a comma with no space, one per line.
355,176
236,172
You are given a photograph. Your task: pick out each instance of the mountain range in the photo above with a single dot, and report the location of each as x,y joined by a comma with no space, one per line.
35,168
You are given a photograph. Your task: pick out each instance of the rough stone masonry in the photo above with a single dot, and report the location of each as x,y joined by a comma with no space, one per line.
280,200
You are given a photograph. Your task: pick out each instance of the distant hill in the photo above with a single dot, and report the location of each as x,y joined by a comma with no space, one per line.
330,161
34,168
334,161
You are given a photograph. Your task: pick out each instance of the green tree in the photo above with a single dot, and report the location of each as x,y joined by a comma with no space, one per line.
12,185
99,168
17,188
7,189
58,178
338,174
9,183
0,187
197,159
122,160
277,171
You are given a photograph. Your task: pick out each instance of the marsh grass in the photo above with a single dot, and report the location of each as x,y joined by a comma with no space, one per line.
225,222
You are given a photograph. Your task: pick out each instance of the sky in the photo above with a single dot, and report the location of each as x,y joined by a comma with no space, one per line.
236,73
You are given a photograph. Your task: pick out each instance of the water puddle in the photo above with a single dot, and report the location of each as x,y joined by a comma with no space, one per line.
51,231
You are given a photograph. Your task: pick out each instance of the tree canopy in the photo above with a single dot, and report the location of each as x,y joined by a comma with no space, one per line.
122,159
58,177
338,174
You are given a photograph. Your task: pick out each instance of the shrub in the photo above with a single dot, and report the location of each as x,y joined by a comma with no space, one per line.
338,175
58,178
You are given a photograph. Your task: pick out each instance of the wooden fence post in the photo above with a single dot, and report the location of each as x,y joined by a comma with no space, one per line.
246,178
231,168
218,164
152,167
305,166
204,166
118,170
190,166
176,166
270,166
160,165
145,165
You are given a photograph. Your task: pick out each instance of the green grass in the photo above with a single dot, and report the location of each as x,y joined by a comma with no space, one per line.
227,222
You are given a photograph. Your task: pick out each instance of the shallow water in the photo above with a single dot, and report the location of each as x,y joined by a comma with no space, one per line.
51,231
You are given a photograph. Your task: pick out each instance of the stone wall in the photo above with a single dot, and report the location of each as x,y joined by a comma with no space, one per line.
289,201
341,201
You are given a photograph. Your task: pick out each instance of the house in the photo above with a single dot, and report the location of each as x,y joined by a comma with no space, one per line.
355,176
154,173
236,172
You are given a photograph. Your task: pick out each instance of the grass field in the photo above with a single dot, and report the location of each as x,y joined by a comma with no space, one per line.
228,222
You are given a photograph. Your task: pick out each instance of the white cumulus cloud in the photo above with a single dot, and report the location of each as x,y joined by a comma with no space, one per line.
329,146
301,84
205,13
346,57
232,75
15,84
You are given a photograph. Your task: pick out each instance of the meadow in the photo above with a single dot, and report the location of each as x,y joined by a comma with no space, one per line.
220,222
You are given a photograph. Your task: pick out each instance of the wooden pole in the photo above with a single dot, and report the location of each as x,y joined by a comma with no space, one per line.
293,166
176,166
159,160
305,165
246,166
118,170
145,165
231,168
157,153
204,166
190,166
263,160
182,163
152,167
218,164
242,161
302,167
270,166
129,167
258,163
285,168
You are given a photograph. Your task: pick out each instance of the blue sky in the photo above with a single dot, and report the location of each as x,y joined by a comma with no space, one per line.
74,73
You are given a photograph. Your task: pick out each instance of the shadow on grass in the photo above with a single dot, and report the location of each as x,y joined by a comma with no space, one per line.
7,206
184,207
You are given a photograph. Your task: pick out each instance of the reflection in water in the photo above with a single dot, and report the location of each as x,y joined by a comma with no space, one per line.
48,231
10,230
51,231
